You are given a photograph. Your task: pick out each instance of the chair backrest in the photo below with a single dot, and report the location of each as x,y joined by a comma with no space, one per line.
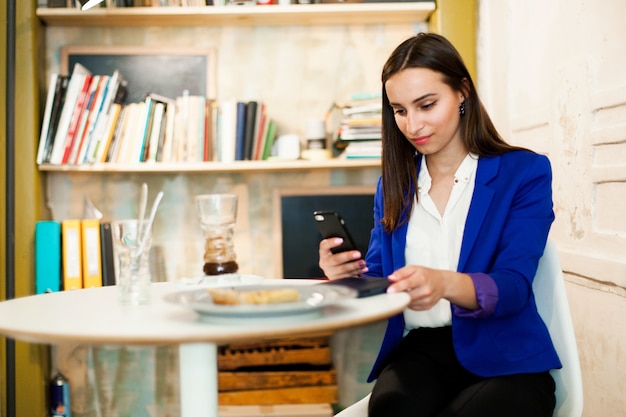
549,289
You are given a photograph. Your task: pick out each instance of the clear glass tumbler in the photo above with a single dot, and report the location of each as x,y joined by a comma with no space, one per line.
132,241
217,214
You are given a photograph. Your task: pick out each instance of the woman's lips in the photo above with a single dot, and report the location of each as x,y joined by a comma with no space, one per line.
420,140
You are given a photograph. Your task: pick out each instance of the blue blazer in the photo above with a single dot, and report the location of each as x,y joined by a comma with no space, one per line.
505,234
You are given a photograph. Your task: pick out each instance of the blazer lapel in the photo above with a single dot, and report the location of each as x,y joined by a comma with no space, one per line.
481,200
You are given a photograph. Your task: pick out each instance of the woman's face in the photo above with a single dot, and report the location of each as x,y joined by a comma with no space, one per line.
426,110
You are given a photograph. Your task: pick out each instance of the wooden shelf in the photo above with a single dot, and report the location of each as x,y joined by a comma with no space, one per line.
273,15
203,167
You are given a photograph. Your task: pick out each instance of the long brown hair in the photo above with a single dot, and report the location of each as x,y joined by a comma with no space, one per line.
432,51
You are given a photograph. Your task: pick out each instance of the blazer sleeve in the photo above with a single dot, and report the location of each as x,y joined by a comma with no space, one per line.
519,222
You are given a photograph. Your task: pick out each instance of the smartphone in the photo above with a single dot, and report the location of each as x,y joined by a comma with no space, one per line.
330,224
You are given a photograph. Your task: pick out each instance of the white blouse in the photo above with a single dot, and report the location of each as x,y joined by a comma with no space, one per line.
433,240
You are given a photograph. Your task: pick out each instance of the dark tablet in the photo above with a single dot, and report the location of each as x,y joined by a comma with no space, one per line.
365,286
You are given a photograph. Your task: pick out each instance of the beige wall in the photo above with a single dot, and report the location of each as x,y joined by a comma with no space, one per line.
304,69
552,75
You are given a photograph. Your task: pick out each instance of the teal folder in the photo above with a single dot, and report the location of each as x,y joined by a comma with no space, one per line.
47,256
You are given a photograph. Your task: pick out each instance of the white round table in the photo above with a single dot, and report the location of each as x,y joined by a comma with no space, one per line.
93,316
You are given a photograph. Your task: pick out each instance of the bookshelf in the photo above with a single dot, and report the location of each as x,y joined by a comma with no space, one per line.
271,15
293,49
304,57
217,167
230,18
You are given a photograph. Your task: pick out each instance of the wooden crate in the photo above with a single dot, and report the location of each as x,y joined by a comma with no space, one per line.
290,410
303,351
297,395
287,371
238,381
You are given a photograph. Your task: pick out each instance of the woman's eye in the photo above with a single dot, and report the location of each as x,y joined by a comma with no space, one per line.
398,111
427,106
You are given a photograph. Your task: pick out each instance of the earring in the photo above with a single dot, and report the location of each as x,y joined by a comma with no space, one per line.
462,109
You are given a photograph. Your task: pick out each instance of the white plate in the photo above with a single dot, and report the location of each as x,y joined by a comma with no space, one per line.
225,280
312,299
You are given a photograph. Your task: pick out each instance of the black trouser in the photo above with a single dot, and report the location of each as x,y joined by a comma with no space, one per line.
424,379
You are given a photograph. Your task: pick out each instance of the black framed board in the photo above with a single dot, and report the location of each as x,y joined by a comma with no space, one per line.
163,71
296,236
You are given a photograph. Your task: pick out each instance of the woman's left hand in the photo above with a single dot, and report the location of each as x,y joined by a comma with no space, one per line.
426,286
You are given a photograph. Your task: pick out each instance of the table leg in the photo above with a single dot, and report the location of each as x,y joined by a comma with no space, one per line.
198,379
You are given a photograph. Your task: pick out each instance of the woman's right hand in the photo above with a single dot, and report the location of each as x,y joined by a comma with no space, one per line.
340,265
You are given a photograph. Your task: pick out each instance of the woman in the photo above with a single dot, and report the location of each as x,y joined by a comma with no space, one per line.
460,221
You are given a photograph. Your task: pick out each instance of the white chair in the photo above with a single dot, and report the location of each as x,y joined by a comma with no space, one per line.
553,307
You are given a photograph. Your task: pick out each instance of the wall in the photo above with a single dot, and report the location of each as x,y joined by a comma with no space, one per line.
552,75
298,71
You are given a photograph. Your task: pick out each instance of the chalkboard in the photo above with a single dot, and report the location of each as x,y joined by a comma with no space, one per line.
164,71
298,235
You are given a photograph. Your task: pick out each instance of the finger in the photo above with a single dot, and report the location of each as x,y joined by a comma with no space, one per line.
399,283
327,244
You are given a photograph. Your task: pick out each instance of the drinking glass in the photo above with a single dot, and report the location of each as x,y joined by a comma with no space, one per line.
217,214
132,240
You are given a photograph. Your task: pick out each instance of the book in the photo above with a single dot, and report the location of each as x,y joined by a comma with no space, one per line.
127,138
47,114
95,113
71,254
240,129
106,254
101,149
102,121
195,128
91,263
226,130
156,132
57,107
74,87
260,131
115,143
213,141
269,139
159,124
47,256
142,131
80,136
77,114
207,150
363,149
249,128
168,138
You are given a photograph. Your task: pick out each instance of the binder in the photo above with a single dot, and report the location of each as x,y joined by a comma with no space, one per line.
72,257
47,256
106,254
90,239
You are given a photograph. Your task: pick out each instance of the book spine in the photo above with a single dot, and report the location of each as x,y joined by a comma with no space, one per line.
72,257
227,128
45,125
57,108
240,131
77,114
74,87
91,263
47,256
249,127
106,254
269,140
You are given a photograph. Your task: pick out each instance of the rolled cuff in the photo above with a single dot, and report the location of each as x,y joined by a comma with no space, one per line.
486,297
